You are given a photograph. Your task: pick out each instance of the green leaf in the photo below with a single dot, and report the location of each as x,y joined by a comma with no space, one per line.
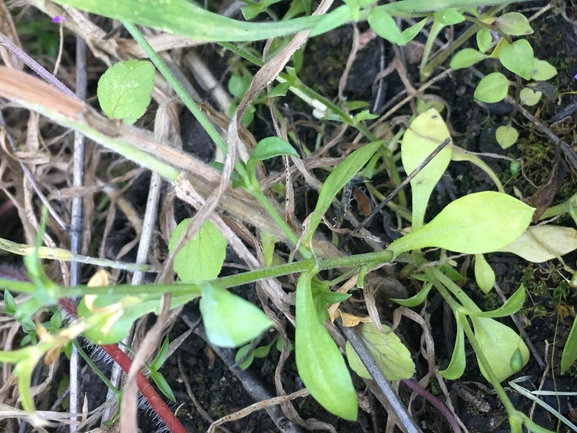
270,147
513,24
529,97
229,320
125,89
506,136
513,304
541,243
498,342
279,90
449,17
9,303
456,367
467,57
570,350
518,58
202,257
426,132
542,70
331,21
411,32
484,39
242,353
384,25
319,361
162,385
386,349
484,274
239,84
112,316
492,88
415,300
336,181
161,357
478,223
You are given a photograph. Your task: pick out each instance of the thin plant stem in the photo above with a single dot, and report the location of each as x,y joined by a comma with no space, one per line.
180,91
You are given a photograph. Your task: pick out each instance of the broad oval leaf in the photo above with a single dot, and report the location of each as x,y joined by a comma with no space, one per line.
229,320
202,257
389,353
426,132
518,58
513,24
541,243
478,223
467,57
492,88
498,344
270,147
125,89
319,361
542,70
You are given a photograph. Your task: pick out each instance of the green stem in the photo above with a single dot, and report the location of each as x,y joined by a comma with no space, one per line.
435,30
280,221
515,420
180,91
95,368
223,283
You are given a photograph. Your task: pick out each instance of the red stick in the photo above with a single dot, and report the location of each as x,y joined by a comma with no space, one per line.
146,389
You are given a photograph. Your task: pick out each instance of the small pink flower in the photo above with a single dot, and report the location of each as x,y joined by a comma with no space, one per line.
59,19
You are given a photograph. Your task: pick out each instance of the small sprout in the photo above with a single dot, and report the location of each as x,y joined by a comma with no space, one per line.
506,136
514,168
516,361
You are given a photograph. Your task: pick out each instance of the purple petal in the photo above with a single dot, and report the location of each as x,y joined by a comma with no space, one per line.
59,19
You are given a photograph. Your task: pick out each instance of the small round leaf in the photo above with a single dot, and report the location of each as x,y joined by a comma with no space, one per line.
124,90
492,88
506,136
529,97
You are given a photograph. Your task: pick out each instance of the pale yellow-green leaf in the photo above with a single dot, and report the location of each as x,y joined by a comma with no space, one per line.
426,132
484,274
390,354
541,243
477,223
499,344
529,97
506,136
